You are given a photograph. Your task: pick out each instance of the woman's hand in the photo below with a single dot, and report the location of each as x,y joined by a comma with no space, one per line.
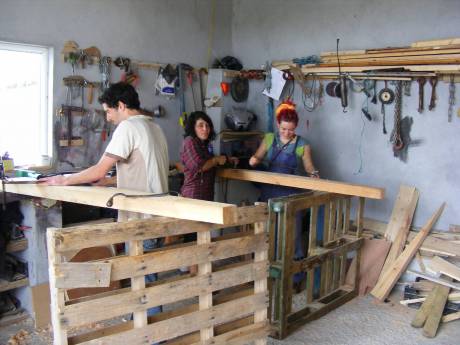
253,161
220,160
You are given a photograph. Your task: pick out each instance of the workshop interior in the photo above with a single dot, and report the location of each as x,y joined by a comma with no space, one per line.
229,172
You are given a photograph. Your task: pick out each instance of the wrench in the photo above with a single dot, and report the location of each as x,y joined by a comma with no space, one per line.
421,83
433,82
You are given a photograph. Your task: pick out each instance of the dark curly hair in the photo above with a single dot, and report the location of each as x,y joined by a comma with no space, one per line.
191,121
120,92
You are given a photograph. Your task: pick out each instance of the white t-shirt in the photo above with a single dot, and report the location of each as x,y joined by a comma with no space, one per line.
142,152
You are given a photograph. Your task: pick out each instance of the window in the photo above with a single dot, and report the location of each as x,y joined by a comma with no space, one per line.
26,102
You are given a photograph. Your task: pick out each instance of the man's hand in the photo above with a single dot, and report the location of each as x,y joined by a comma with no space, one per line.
58,180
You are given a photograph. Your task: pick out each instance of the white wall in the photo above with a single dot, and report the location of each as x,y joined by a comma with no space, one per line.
147,30
275,29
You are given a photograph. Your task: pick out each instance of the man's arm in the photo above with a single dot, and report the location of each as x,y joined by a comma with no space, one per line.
92,174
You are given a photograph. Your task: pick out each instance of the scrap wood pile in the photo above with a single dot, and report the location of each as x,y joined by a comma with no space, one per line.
390,249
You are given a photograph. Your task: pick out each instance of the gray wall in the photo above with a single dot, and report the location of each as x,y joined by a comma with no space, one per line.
147,30
257,30
271,29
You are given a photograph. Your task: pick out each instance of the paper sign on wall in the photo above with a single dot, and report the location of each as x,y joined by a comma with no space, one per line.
277,84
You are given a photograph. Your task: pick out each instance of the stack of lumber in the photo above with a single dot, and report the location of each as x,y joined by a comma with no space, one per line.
436,254
438,56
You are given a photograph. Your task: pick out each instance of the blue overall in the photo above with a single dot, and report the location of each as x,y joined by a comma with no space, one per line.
284,160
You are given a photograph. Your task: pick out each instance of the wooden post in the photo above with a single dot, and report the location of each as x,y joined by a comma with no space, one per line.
359,230
205,300
57,295
311,248
138,283
260,285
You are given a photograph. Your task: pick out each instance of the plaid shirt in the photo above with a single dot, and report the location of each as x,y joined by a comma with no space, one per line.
197,184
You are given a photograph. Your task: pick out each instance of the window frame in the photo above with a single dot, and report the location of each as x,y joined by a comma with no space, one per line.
46,95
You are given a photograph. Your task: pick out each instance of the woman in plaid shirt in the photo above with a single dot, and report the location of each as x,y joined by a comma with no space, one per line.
198,159
199,162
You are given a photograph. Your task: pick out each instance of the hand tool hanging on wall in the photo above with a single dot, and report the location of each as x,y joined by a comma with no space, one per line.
396,138
202,73
190,77
406,87
374,97
343,82
386,96
451,98
104,69
182,70
421,84
433,83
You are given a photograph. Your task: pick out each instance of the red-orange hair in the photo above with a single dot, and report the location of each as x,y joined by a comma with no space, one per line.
286,112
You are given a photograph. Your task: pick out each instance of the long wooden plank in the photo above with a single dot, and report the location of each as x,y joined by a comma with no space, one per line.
403,210
415,68
432,43
57,295
402,53
431,244
384,286
435,280
124,326
239,336
168,206
168,259
303,182
451,317
442,266
108,307
260,285
79,237
422,313
434,317
400,221
453,297
188,323
415,60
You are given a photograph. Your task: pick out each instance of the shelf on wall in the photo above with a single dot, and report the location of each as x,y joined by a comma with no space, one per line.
227,135
17,245
6,285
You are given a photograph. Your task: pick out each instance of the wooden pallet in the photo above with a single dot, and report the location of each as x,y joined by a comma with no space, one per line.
327,249
230,299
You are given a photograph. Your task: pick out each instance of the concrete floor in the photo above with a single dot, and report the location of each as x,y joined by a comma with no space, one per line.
359,322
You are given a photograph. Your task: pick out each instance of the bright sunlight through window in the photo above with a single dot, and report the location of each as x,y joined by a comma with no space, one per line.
25,95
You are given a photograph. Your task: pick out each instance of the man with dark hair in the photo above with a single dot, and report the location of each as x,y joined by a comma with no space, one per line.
138,148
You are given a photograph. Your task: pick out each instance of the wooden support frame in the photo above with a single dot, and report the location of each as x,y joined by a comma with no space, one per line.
222,316
327,253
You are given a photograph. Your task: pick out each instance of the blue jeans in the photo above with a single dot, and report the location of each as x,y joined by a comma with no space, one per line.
152,277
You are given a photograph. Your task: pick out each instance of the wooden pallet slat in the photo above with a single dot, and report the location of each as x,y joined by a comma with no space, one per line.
235,318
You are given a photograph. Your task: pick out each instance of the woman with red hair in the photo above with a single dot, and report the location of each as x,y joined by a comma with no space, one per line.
287,153
284,152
